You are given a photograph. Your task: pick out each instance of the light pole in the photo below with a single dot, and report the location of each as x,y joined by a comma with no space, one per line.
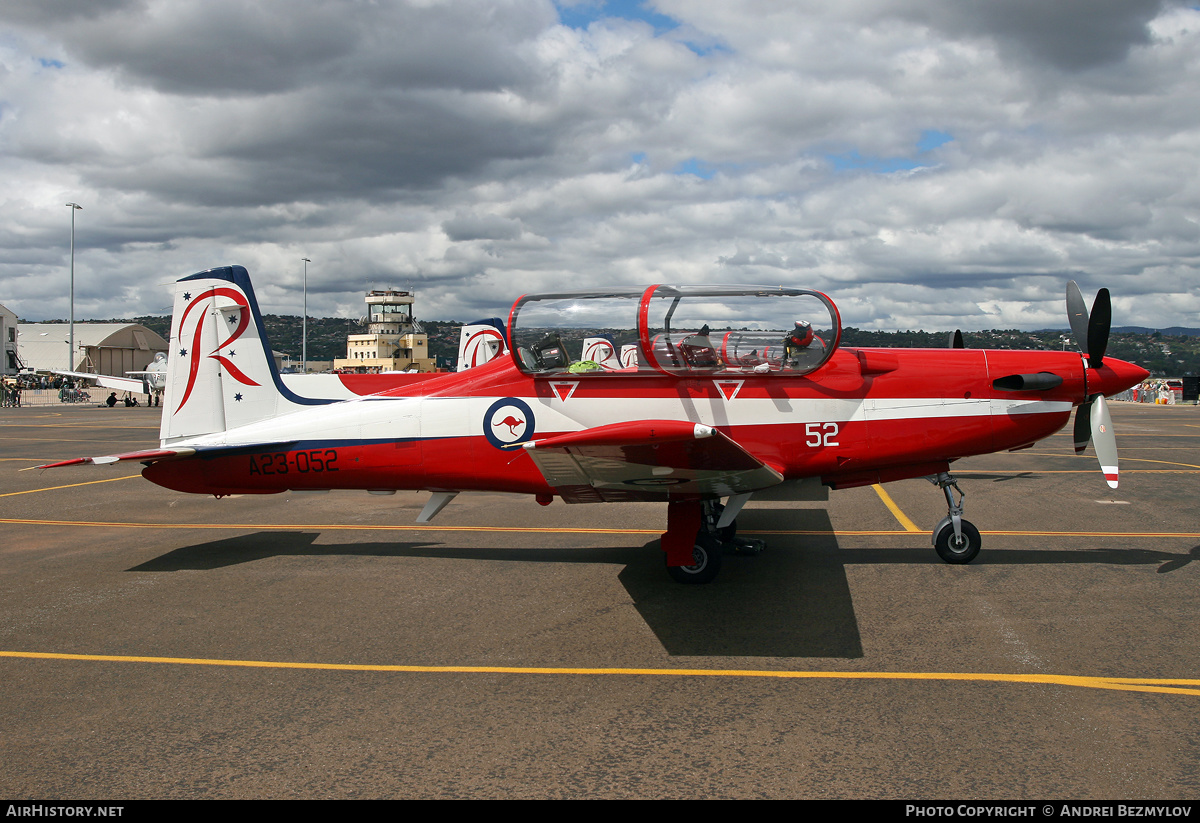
74,207
304,326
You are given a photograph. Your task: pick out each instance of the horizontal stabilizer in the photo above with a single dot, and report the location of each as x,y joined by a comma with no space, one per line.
149,455
155,455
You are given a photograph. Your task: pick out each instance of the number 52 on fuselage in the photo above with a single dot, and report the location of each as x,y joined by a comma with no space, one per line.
695,394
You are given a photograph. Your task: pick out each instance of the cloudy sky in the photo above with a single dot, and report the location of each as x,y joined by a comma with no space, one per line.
928,163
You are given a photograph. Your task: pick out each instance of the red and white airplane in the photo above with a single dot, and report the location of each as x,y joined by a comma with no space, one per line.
734,391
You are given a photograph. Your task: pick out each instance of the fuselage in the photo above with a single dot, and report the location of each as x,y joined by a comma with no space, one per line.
866,416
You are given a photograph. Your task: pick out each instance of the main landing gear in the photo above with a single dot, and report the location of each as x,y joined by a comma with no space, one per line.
956,540
695,545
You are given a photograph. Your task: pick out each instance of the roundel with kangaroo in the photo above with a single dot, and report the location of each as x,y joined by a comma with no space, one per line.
508,421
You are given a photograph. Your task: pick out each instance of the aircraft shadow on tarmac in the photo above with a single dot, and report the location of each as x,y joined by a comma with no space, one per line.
1000,478
792,601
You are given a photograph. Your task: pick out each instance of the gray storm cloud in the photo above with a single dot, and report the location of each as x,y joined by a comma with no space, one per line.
928,163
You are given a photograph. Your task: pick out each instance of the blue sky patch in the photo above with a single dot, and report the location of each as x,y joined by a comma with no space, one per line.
579,15
48,63
932,138
854,161
705,171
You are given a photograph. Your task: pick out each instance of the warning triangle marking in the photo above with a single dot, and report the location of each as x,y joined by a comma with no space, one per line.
729,388
564,389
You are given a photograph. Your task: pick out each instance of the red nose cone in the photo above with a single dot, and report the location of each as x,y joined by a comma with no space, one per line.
1114,376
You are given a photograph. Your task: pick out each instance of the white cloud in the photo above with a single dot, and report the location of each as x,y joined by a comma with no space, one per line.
478,150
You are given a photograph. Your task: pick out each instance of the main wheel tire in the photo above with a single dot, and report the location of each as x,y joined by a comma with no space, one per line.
961,551
707,554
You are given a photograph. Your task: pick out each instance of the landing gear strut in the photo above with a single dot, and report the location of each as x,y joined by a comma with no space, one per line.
695,546
956,540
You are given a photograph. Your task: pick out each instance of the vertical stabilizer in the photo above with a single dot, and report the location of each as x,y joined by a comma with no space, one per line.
479,342
601,349
629,357
220,371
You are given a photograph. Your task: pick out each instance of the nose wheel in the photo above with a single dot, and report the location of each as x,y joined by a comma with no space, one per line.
957,548
956,540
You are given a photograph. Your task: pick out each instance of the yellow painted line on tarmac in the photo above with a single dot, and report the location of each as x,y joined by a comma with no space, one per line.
1123,433
1035,533
19,521
1039,472
1136,459
70,486
333,527
1131,684
908,525
68,440
997,533
106,427
1164,462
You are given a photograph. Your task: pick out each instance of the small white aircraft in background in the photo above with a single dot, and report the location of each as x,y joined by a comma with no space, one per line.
152,382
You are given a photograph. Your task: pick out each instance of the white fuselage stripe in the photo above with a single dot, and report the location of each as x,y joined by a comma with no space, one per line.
442,417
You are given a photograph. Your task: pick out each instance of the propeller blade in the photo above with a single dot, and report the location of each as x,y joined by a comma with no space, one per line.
956,340
1083,426
1078,314
1098,327
1104,440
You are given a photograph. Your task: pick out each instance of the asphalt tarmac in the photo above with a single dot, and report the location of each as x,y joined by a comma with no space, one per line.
160,645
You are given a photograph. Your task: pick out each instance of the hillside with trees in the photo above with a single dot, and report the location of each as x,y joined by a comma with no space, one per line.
1164,355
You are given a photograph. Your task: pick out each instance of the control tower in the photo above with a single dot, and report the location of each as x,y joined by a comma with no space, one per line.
394,340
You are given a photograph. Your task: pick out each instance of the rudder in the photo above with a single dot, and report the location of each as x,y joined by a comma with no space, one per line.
220,370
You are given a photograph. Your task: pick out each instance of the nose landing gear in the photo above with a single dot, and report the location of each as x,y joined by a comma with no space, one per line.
956,540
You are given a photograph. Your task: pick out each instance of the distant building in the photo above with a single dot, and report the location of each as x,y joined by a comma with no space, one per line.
10,362
100,348
393,342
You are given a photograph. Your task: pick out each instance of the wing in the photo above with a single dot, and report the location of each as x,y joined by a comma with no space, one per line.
648,460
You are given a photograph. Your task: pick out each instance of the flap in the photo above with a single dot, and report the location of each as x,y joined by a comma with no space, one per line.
648,460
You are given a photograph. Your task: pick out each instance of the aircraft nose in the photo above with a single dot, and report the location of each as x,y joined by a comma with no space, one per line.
1114,376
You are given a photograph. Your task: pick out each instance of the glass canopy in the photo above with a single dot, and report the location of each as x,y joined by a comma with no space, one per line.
680,330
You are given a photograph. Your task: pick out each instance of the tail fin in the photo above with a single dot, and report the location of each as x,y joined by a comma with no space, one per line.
479,342
601,349
220,371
